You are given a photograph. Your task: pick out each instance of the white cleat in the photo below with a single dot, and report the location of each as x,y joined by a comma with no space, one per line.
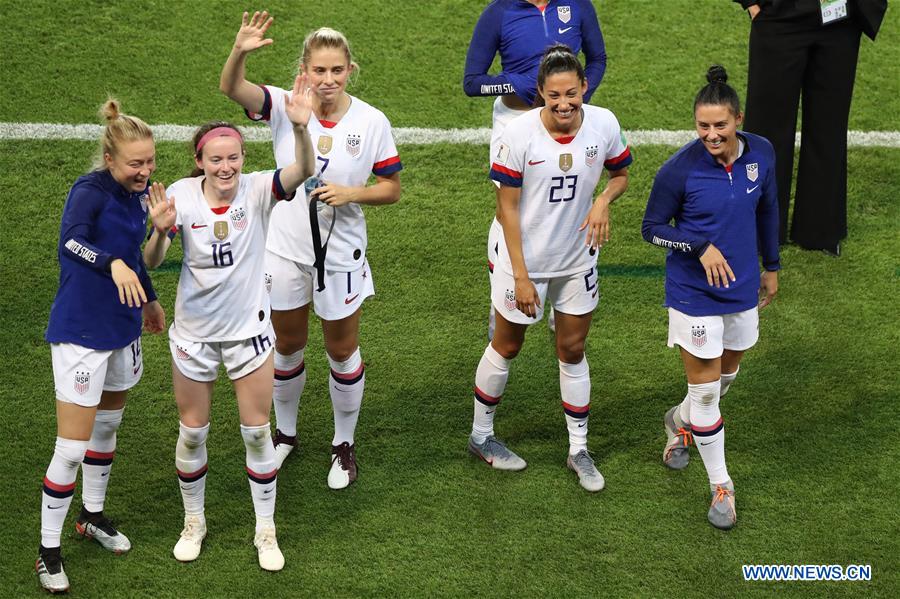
103,531
284,445
187,549
270,556
51,575
588,476
344,469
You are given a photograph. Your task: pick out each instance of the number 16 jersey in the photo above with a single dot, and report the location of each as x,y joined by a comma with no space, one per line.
557,178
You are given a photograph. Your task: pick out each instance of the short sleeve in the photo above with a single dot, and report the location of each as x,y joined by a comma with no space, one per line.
618,153
507,164
387,159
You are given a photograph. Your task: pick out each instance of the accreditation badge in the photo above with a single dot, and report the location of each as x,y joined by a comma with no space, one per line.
220,229
565,162
324,144
833,10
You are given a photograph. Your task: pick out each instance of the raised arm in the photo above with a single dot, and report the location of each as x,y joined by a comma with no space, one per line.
232,82
299,109
162,213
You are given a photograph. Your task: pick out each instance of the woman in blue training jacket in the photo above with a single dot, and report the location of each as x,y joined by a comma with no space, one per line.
521,30
95,332
720,190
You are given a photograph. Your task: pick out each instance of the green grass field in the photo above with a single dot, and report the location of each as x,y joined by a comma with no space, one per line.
813,434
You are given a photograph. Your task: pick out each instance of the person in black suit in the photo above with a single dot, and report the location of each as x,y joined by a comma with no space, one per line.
807,48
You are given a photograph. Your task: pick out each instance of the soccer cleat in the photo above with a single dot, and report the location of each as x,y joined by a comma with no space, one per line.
343,466
284,445
496,454
98,527
588,476
49,568
676,453
722,513
270,556
187,549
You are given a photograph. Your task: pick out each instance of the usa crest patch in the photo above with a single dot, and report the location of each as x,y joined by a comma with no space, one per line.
753,171
82,381
239,218
510,300
590,155
354,145
268,283
564,13
180,353
698,335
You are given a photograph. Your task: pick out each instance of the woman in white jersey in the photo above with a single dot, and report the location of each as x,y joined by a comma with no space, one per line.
352,141
222,310
548,165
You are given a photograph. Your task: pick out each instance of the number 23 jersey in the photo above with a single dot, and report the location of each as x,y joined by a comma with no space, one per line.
222,293
557,178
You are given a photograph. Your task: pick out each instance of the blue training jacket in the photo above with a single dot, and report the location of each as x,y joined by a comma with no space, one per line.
101,221
737,212
521,32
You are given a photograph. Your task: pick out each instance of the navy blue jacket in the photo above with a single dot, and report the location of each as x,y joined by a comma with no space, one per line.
521,32
736,211
101,221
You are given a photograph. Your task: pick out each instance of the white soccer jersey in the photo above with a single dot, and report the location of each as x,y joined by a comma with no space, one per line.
558,179
347,152
222,292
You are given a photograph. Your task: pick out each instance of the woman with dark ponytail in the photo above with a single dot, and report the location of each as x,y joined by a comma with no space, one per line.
548,164
720,192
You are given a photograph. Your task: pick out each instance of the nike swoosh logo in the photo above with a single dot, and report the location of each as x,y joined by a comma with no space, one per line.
102,474
593,295
751,189
196,226
533,162
349,300
136,370
267,491
582,425
490,412
562,31
54,507
705,444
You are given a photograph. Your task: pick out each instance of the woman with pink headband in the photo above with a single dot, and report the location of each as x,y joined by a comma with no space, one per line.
222,309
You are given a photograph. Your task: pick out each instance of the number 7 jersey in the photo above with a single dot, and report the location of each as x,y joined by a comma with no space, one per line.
222,290
557,178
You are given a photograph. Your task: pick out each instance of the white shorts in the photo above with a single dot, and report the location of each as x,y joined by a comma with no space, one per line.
573,294
82,374
294,286
492,245
500,118
708,336
200,361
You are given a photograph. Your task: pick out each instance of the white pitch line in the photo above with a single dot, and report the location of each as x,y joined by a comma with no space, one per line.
402,135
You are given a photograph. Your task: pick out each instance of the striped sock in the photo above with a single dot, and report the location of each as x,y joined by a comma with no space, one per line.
190,463
709,430
261,472
290,379
348,379
575,389
98,459
490,382
59,486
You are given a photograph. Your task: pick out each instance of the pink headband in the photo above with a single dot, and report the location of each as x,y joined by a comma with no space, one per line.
218,132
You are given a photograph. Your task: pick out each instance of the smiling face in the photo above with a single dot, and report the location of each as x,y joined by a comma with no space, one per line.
132,164
221,159
563,95
717,127
328,70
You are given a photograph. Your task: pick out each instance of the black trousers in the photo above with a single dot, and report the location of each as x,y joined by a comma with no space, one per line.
798,58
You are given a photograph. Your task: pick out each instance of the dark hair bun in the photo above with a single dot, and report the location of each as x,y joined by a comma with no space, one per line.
717,74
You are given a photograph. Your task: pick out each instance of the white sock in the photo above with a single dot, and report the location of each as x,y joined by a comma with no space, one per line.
684,411
575,389
490,381
261,472
348,380
98,459
190,462
727,379
708,430
290,378
59,486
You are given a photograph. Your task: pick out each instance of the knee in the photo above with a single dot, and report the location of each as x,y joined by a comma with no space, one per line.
290,342
507,349
193,437
704,394
570,351
341,352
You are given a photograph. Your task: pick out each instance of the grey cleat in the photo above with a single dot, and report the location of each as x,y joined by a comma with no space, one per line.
99,528
722,513
49,568
588,476
677,451
496,454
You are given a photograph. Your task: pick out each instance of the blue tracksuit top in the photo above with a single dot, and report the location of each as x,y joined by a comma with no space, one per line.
101,221
521,32
737,212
